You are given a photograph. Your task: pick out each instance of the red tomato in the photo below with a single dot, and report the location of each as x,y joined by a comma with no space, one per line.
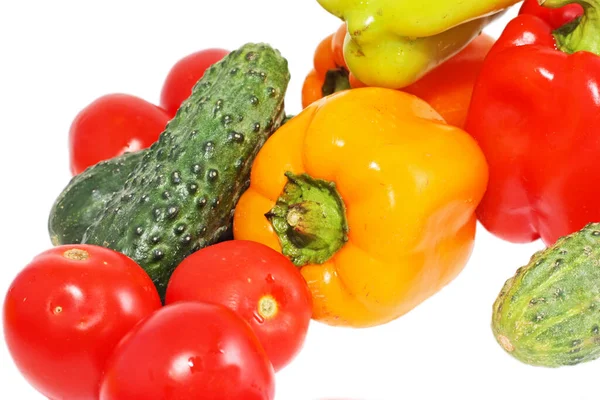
189,351
258,283
67,310
112,125
183,76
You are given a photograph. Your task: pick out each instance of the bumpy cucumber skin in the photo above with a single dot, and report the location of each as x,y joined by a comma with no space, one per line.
181,196
548,314
86,195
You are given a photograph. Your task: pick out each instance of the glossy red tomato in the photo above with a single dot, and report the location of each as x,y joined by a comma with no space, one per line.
257,282
67,310
189,351
112,125
183,76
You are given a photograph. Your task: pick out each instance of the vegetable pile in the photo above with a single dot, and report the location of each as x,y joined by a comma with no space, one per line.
199,237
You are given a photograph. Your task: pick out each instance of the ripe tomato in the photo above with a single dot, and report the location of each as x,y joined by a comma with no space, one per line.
67,310
183,76
189,351
258,283
112,125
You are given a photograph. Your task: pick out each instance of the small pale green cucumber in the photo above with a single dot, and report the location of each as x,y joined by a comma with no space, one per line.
548,314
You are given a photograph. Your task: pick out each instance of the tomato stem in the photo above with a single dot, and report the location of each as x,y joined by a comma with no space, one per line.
76,254
267,307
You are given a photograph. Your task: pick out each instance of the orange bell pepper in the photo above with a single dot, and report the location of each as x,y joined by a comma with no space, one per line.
372,195
330,73
447,88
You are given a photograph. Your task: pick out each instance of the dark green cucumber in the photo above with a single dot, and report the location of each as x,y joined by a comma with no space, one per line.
182,194
86,196
548,314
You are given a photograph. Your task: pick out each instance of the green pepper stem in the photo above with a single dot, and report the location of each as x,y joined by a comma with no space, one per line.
582,34
309,219
336,80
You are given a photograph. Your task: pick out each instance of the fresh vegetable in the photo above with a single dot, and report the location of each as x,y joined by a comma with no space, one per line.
189,351
548,313
555,17
181,196
447,88
534,112
330,73
373,196
66,311
394,43
119,123
183,76
258,283
112,125
86,195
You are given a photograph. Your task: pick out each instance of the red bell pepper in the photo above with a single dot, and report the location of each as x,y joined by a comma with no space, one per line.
535,112
555,17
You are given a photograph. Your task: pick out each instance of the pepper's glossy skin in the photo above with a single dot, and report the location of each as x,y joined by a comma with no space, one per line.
328,57
410,184
393,43
447,88
555,17
536,120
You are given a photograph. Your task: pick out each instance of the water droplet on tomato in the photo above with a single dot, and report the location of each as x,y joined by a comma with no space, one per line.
196,364
270,278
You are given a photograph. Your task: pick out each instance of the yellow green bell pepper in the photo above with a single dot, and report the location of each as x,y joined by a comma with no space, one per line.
393,43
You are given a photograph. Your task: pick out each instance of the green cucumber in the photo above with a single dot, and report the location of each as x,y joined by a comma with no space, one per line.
548,314
181,196
86,196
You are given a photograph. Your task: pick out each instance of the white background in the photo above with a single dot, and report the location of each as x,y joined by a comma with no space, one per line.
57,56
